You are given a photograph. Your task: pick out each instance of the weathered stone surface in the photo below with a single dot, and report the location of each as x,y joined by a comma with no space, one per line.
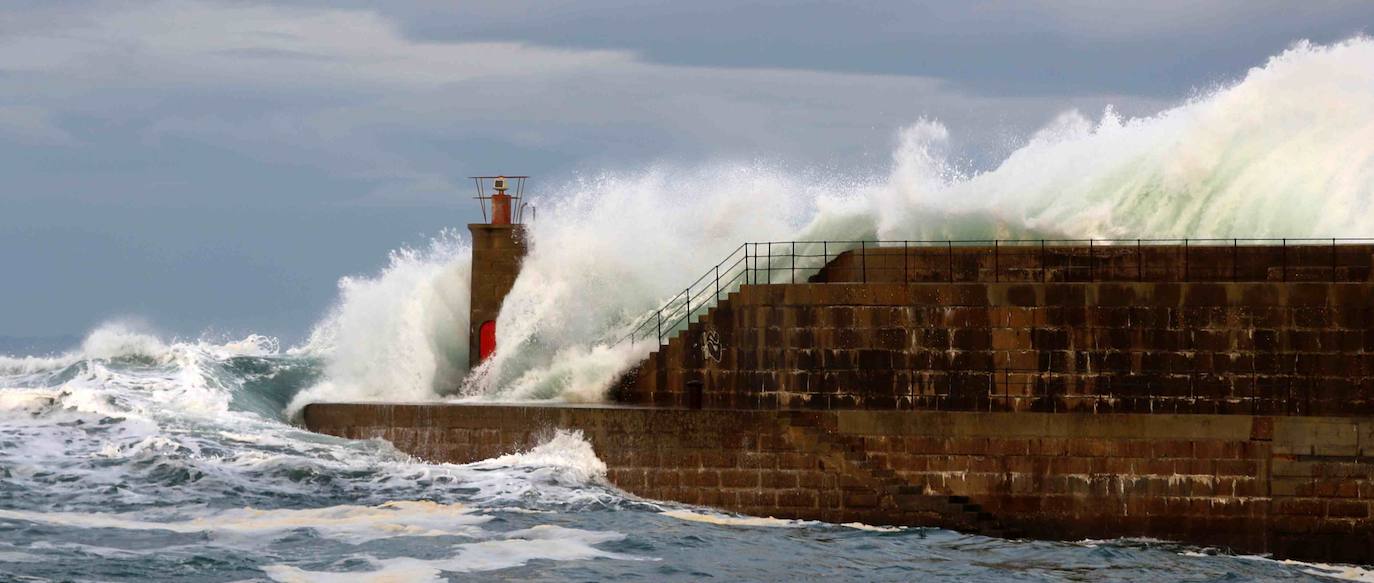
1117,347
1130,262
1032,391
1285,485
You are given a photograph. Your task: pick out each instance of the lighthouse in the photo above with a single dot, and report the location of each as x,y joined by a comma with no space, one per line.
498,247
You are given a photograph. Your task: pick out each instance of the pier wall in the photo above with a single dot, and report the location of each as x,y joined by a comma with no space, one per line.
1057,262
1298,487
1216,396
1297,348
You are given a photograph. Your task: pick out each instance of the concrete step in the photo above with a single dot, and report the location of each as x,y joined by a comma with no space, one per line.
917,502
896,502
949,509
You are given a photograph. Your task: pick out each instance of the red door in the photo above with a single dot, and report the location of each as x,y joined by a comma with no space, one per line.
486,340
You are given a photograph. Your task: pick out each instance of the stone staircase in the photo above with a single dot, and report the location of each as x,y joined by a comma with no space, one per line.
871,490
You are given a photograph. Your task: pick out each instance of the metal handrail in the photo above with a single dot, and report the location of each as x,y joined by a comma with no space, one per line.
753,261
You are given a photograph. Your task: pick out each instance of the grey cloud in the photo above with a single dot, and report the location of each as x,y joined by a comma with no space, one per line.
1158,48
277,147
32,125
366,97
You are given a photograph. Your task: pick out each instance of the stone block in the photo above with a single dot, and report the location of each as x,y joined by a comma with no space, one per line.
1316,436
1347,509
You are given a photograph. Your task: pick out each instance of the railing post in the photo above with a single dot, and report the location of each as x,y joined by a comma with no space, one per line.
1283,268
1185,260
660,327
1043,275
950,245
717,282
744,273
768,278
687,302
863,260
794,262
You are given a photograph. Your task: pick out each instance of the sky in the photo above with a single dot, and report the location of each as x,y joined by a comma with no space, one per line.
214,167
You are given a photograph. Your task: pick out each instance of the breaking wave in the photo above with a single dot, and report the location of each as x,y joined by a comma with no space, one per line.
162,458
1287,151
398,336
134,453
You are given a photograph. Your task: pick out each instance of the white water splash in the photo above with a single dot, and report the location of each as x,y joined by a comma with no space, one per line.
399,336
351,524
1287,151
545,542
147,442
721,519
567,450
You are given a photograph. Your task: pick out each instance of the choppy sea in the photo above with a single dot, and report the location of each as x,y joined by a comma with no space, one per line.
150,462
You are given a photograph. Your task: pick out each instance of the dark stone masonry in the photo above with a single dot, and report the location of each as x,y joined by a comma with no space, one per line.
1000,339
1293,486
1217,395
1253,348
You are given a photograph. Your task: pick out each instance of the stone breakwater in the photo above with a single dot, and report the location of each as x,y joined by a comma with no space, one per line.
1253,347
1298,487
1249,330
1218,395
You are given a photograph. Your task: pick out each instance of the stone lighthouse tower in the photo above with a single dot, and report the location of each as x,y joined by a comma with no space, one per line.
498,247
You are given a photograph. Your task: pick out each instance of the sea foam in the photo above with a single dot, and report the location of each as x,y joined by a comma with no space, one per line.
1285,151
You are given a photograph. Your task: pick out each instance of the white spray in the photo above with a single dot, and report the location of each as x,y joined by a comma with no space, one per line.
399,336
1286,152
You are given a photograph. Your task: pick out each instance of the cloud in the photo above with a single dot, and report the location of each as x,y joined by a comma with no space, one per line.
32,125
224,161
1050,47
347,93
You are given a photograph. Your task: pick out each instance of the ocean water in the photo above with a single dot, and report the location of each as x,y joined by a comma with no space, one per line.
132,459
137,457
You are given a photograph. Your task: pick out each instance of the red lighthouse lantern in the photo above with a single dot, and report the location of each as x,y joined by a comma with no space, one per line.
505,204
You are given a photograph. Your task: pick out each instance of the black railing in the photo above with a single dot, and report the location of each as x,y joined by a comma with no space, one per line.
996,260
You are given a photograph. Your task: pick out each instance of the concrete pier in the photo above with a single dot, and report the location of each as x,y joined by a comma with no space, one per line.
1219,395
1299,487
